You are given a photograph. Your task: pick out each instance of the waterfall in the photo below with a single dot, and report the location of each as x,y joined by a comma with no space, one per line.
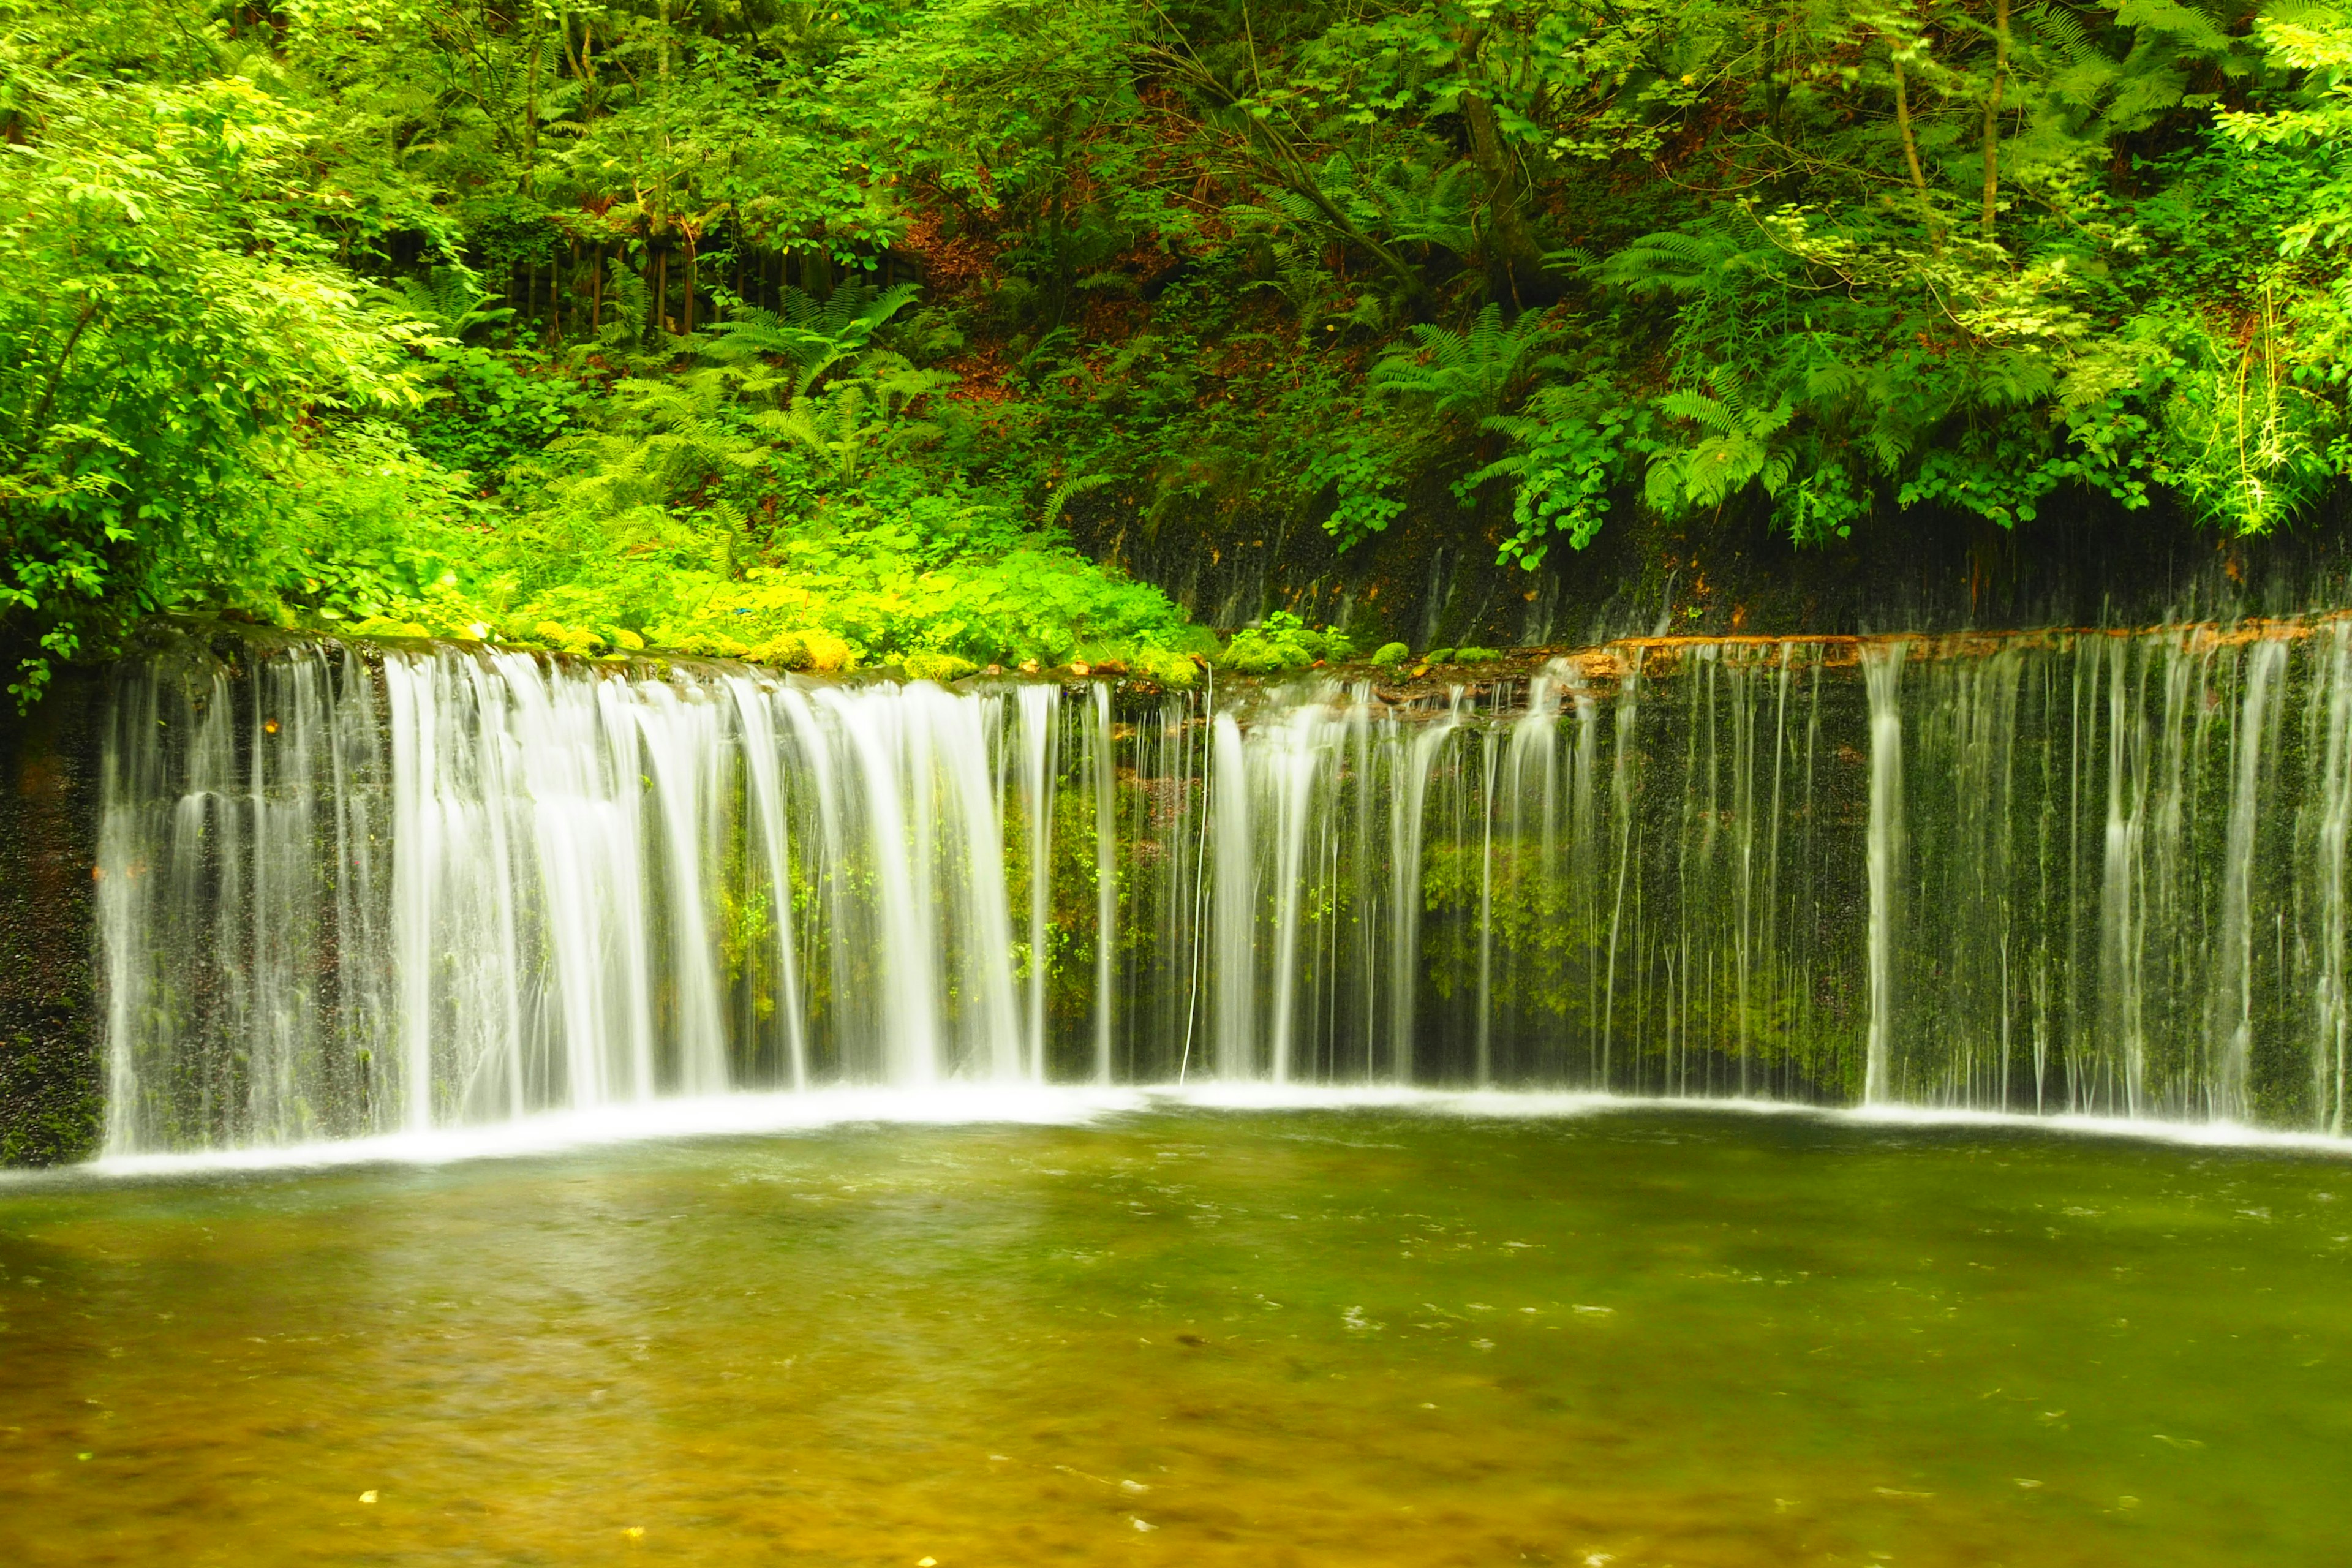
346,892
1039,705
1883,675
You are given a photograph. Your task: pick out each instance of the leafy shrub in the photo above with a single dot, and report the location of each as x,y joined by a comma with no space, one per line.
1281,642
936,667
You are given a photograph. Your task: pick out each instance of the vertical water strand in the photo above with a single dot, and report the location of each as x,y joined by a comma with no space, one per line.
606,710
2171,975
500,798
1147,915
1716,932
2230,1036
1743,820
915,777
1342,987
365,1009
1408,797
1197,806
1105,879
1814,883
557,745
1585,879
1531,883
1236,902
979,914
1293,747
2131,742
1449,862
1994,745
281,1016
2056,859
480,1057
762,750
1490,800
1362,899
909,1006
2332,1018
456,1013
1623,786
1040,708
1162,860
133,780
1549,894
210,859
680,734
415,839
1883,673
1782,975
2082,730
1186,814
191,977
825,859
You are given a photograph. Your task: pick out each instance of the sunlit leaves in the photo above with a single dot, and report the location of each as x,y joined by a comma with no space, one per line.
167,313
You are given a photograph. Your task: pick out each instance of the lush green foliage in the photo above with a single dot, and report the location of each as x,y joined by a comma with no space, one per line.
752,326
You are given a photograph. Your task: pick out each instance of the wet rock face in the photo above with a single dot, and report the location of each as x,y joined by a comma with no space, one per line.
49,1074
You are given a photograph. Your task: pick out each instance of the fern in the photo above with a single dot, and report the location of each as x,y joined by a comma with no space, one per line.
1068,488
1737,446
813,335
1471,375
1671,262
451,301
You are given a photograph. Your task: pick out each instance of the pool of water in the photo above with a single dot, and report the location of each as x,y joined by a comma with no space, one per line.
1379,1335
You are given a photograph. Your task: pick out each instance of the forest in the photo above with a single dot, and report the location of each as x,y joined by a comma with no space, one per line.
807,334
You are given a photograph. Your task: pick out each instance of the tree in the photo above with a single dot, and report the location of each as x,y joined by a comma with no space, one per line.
168,313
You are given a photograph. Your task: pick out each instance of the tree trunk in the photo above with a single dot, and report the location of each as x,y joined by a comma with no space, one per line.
693,262
1992,114
1516,258
1911,157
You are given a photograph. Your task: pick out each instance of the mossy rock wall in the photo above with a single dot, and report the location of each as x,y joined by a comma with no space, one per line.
1432,579
50,1083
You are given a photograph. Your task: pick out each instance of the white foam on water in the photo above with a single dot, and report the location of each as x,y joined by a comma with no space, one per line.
721,1115
2193,1135
985,1104
1540,1104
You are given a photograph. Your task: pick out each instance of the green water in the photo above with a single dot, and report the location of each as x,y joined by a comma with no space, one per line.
1636,1338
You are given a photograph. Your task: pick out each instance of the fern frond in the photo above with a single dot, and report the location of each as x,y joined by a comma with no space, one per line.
1709,413
1069,488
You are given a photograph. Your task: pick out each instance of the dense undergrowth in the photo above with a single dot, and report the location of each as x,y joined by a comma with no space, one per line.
791,332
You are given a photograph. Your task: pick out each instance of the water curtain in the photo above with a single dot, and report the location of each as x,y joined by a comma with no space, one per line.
346,892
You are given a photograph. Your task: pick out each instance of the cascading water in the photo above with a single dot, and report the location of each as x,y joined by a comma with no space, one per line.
343,894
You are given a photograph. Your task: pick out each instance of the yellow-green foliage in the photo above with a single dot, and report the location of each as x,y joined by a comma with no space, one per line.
1281,642
937,665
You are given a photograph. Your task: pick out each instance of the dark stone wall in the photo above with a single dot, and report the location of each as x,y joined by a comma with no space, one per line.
50,1078
1432,579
